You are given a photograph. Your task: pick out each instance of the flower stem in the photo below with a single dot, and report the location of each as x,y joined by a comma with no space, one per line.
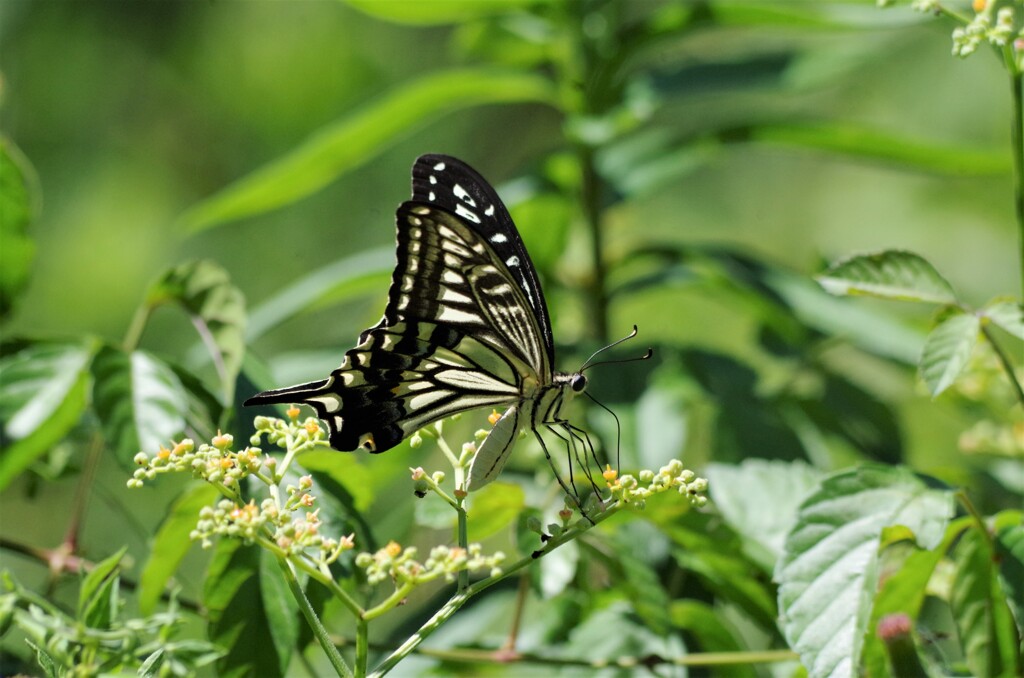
1017,143
322,637
362,645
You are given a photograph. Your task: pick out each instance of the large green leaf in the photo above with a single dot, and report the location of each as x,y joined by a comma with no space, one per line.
217,309
706,624
279,607
17,187
892,274
742,491
419,13
238,619
339,281
43,393
363,134
139,400
171,543
947,351
493,508
827,575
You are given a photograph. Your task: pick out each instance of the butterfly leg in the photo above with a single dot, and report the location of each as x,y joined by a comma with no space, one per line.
571,492
590,453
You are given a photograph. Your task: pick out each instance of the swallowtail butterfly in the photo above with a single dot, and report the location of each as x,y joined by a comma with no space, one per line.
465,327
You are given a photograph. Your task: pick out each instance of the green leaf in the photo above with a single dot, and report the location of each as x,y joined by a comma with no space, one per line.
627,558
1009,548
139,400
171,543
344,469
435,12
368,271
947,351
217,309
987,632
238,621
1008,315
280,608
705,624
362,135
99,599
493,508
741,492
888,149
43,394
892,274
18,187
903,590
827,575
45,661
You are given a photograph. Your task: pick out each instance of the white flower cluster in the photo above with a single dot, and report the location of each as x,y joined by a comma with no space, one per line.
400,565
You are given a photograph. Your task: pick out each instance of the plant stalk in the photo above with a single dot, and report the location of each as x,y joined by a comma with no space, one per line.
321,634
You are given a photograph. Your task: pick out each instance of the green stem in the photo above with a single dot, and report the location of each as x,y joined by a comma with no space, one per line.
322,636
391,601
1017,142
134,334
1005,361
463,580
976,517
362,646
591,199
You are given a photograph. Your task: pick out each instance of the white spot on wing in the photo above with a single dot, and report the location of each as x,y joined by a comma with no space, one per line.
463,195
461,210
433,179
512,261
439,167
499,237
432,196
489,211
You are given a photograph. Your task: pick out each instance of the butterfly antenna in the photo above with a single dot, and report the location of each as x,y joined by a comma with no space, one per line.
588,364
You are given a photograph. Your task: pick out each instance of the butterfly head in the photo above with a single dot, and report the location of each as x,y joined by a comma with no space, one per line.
577,382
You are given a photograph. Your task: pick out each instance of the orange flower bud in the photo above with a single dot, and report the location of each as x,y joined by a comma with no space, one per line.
293,412
493,417
393,549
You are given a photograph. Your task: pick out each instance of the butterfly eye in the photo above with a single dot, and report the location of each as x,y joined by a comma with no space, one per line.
578,383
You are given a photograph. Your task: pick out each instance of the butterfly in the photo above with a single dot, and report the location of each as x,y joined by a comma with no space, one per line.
466,326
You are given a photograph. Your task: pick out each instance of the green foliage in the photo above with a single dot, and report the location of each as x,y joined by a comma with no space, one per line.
623,136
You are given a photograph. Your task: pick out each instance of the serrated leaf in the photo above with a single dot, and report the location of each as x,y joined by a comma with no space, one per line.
98,598
217,309
43,394
45,661
741,492
827,575
333,283
237,619
892,274
1007,315
361,136
947,351
139,400
171,543
493,508
17,189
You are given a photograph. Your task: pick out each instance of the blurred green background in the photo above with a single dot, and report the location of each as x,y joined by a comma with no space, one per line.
798,137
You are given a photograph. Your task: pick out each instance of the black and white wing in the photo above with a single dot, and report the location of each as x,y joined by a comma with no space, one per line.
465,325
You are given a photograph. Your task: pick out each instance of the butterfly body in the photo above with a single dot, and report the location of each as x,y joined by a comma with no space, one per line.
465,327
